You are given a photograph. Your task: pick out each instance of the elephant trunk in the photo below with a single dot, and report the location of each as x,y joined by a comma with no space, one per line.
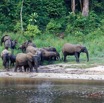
87,54
36,63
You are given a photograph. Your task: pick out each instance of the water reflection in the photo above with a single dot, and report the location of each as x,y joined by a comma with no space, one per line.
50,92
43,94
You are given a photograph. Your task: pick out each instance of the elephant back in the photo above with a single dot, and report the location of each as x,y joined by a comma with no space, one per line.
50,49
68,47
49,53
31,49
21,57
71,48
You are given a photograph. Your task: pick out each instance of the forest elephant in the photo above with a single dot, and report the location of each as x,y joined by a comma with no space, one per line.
50,48
72,49
8,42
12,59
4,38
31,49
49,55
26,44
53,49
6,60
26,60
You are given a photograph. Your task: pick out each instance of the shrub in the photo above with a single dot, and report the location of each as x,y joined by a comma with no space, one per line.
83,24
53,26
32,31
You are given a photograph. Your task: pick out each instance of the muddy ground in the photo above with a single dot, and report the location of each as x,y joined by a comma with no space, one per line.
61,71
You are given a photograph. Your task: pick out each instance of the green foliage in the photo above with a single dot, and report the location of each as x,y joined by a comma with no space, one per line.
40,13
33,18
78,23
53,26
17,27
32,31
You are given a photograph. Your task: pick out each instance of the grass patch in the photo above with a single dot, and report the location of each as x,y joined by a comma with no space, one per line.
93,43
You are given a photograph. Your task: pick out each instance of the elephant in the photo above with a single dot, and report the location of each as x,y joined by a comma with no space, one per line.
35,51
26,60
4,38
13,44
74,49
49,55
31,49
26,44
50,49
8,42
12,59
6,60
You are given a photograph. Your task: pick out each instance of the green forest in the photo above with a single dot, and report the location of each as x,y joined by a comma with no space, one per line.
54,23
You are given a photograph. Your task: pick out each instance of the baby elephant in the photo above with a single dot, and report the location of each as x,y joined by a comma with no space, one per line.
6,60
26,60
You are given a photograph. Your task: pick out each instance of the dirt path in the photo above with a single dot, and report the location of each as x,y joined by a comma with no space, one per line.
61,71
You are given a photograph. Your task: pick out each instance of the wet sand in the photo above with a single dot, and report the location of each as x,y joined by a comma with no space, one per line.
60,71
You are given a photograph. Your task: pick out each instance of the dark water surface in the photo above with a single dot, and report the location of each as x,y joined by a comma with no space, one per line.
46,91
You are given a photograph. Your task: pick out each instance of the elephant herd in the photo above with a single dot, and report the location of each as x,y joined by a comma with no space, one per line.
31,57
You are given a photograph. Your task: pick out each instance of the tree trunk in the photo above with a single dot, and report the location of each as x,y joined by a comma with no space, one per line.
73,5
80,5
85,10
21,16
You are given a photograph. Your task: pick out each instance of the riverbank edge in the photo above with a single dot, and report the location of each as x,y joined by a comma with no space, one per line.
59,72
54,77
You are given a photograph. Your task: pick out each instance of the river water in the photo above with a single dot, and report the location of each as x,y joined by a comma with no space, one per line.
46,91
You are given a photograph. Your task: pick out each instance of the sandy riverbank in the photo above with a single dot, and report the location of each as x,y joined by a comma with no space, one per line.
61,71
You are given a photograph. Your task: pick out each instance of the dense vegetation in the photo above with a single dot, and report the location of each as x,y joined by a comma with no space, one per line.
52,23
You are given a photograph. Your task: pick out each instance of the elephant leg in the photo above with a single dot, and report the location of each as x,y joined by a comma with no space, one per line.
4,64
77,57
7,65
50,60
30,66
20,69
16,66
36,69
25,68
41,61
65,57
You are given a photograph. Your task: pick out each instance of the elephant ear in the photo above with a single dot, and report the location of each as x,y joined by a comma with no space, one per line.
78,48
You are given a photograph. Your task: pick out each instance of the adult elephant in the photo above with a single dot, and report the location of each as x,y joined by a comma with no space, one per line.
72,49
26,60
26,44
31,49
8,42
50,49
50,55
4,38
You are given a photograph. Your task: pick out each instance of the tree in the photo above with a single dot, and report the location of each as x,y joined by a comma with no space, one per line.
21,15
73,5
85,10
